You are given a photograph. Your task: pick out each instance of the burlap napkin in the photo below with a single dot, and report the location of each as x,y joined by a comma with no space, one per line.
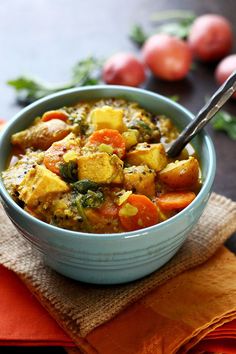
79,308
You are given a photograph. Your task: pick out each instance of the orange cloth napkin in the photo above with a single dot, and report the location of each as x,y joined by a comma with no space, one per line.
23,321
145,327
175,316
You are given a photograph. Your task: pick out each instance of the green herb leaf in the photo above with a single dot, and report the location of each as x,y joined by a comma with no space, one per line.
84,185
29,89
91,194
172,15
140,125
146,132
79,121
92,199
138,35
69,171
175,98
25,82
80,209
85,72
177,23
226,122
180,29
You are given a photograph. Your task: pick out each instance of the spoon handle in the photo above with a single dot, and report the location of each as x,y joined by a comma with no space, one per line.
204,116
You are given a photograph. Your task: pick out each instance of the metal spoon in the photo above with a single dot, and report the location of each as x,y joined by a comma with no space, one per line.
204,116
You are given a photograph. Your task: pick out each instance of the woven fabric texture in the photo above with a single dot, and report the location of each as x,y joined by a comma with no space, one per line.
78,307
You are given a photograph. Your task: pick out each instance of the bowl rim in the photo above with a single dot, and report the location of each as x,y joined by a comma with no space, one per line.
127,234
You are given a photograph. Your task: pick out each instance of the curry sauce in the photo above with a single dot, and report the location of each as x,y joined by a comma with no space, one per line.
101,167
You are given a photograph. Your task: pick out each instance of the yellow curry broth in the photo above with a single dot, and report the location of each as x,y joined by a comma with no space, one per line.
81,172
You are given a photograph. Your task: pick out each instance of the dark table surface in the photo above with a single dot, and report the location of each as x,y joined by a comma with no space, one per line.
45,38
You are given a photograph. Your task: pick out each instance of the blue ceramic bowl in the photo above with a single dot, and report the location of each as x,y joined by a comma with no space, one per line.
109,258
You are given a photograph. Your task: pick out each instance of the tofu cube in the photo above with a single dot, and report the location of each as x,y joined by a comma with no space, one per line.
152,155
38,184
101,167
140,179
107,117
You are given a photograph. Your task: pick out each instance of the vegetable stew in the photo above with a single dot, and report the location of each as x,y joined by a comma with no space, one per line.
100,167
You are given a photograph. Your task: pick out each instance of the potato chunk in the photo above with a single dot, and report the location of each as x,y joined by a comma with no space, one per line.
152,155
108,117
15,174
140,179
38,184
101,168
41,135
180,174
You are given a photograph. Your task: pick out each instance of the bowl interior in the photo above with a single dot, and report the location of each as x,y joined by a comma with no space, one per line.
150,101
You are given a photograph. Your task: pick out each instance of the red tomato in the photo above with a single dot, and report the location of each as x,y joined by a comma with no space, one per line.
211,37
225,68
123,69
169,58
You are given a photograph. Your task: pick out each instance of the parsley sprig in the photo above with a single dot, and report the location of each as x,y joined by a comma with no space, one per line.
176,23
223,121
85,72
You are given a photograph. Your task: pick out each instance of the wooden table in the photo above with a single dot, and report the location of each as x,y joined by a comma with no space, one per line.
45,38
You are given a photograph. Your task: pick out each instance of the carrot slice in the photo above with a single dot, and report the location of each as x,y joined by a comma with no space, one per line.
53,156
54,115
108,212
110,137
175,200
138,212
108,209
